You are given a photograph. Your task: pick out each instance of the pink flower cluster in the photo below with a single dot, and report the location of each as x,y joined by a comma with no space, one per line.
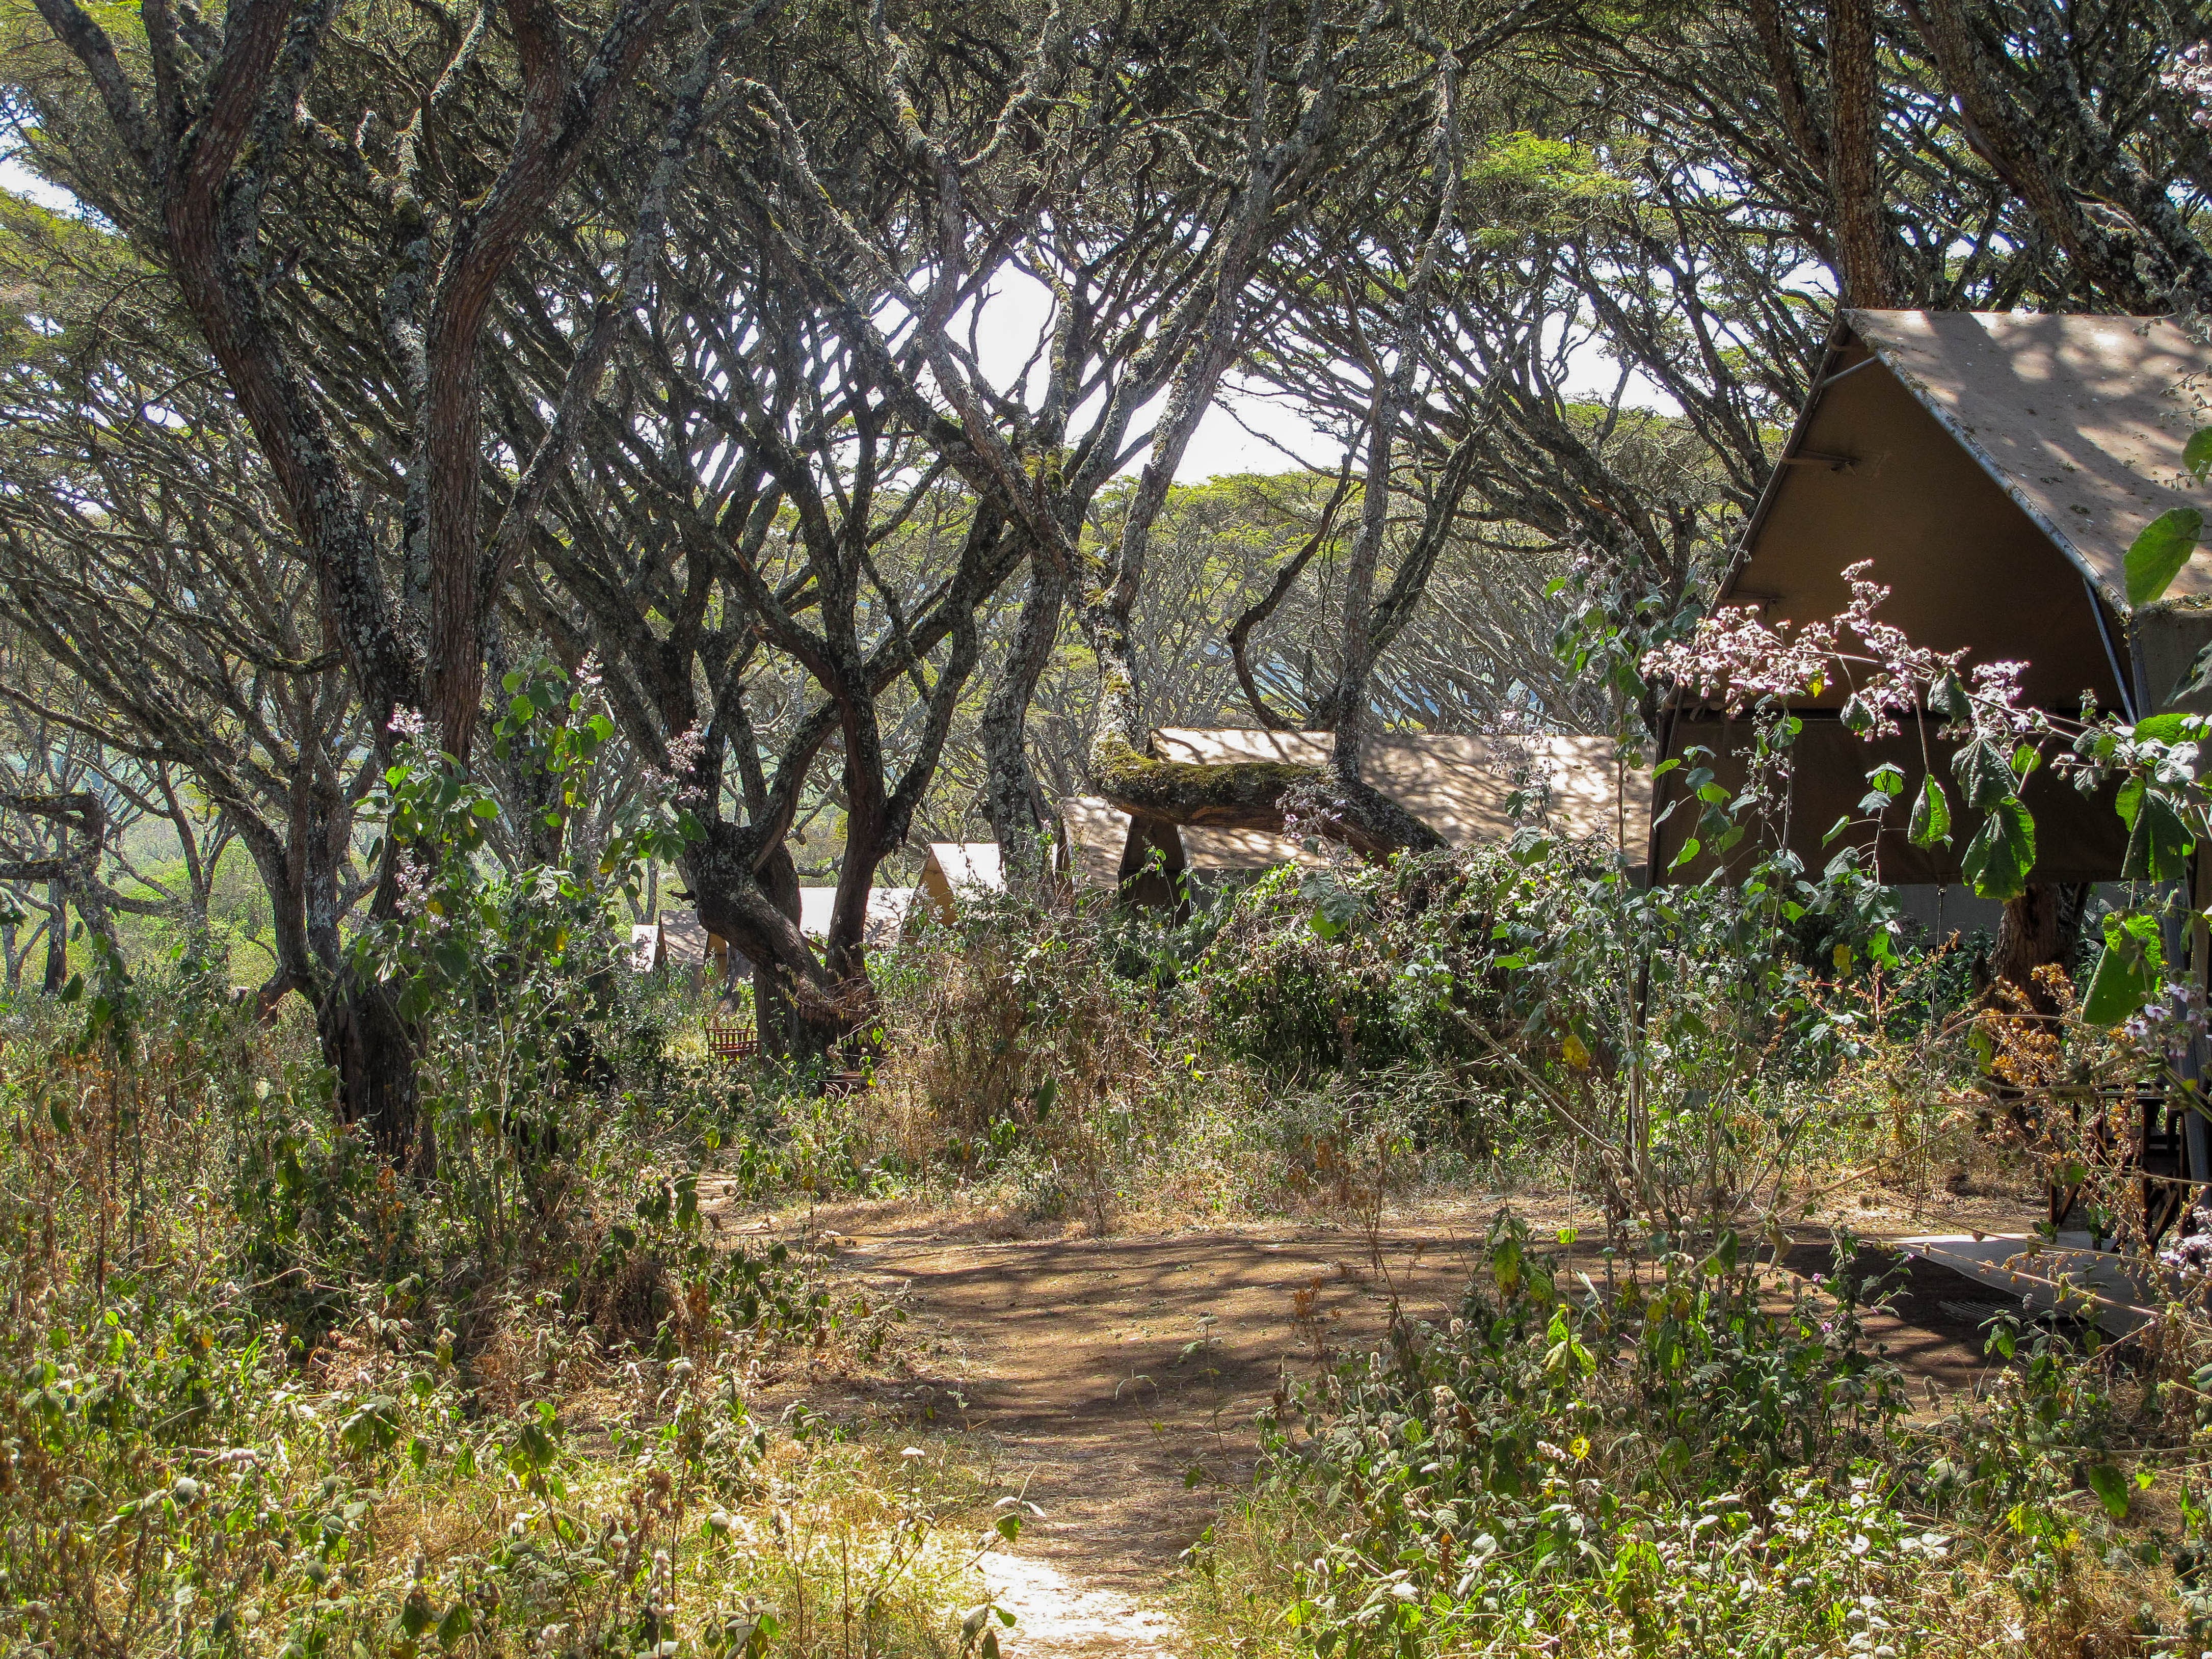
2190,74
1996,695
681,775
1736,658
412,876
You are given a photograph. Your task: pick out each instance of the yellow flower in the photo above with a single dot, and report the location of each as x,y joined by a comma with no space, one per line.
1576,1056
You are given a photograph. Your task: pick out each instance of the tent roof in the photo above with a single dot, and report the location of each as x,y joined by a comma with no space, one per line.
1994,466
1456,785
2080,420
1098,830
887,908
684,938
1994,469
967,864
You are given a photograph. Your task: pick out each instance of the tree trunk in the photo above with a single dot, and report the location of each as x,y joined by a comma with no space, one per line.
282,879
373,1051
1011,800
783,1035
1863,239
751,899
2039,927
57,940
2027,160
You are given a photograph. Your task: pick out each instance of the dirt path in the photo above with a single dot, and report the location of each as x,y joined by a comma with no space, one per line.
1119,1375
1117,1378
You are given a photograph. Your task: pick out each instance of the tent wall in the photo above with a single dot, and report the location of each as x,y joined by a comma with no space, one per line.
1968,568
2078,838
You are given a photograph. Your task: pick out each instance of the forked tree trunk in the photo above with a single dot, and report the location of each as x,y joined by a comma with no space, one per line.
751,899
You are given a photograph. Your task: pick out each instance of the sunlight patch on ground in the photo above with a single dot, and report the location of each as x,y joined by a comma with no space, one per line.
1052,1614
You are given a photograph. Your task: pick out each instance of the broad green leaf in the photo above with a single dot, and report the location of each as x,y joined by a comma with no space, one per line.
2117,989
2158,841
2197,454
1948,698
2129,970
1931,815
1981,769
457,1623
2159,552
2111,1489
2162,728
2002,851
1505,1264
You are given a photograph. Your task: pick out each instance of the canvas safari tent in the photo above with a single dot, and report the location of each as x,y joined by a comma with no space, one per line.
1993,467
954,867
887,908
1460,786
679,939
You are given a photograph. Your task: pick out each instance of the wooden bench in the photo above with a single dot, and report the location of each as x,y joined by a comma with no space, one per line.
743,1042
733,1041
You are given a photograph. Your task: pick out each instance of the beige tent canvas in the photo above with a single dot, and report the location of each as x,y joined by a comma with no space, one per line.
685,942
1459,785
887,908
1995,467
954,865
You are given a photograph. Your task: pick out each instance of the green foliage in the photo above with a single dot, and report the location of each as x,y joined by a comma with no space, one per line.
264,1398
1684,1458
511,969
2159,552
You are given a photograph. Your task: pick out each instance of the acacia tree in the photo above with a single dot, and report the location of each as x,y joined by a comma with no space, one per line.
1137,169
736,548
340,197
144,556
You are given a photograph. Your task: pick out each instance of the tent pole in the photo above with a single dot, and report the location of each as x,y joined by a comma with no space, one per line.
2129,695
